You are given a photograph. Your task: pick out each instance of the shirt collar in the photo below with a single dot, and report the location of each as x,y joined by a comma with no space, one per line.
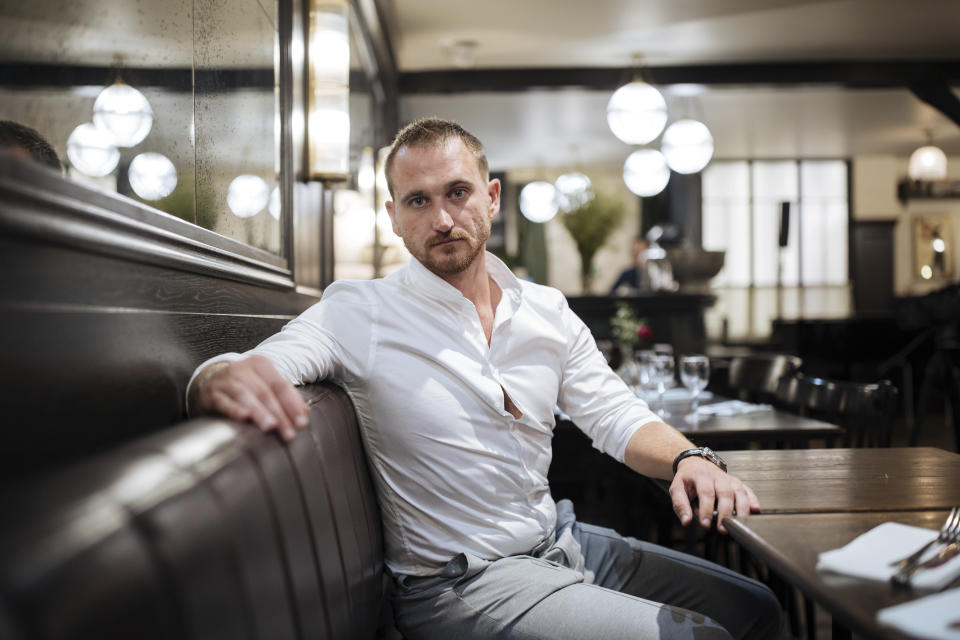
433,285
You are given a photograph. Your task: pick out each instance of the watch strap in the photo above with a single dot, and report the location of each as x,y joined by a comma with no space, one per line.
701,452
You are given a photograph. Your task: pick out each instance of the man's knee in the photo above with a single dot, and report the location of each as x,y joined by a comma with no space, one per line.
674,623
765,615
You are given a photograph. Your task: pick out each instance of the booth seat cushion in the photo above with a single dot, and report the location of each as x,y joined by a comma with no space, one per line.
209,529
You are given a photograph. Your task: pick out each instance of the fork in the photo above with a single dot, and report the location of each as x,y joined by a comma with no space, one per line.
949,534
950,528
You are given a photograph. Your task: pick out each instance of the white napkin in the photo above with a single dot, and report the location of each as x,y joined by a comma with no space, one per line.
673,394
680,394
732,408
870,554
929,617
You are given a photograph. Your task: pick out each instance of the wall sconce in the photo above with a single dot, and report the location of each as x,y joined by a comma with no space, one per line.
328,122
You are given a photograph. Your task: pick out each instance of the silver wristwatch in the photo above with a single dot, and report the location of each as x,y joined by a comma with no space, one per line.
704,452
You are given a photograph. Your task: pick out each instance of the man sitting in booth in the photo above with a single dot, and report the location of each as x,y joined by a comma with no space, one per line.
455,367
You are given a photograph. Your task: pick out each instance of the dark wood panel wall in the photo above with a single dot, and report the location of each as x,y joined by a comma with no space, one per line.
102,325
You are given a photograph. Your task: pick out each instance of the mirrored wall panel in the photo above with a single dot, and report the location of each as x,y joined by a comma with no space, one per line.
173,104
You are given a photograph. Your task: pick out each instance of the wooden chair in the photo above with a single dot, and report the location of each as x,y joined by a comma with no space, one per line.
865,410
756,378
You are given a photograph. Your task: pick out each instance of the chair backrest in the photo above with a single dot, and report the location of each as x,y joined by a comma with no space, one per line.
864,409
209,529
757,377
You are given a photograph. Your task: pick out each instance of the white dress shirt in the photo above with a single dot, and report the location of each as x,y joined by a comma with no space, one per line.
455,471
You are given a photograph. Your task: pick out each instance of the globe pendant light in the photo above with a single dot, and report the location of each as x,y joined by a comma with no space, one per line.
152,176
92,151
646,172
928,163
636,112
573,190
687,145
124,112
538,201
275,205
247,195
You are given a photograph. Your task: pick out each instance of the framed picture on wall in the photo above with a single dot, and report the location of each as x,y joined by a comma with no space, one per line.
933,246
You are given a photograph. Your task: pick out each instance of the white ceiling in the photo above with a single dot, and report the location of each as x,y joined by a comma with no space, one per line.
567,127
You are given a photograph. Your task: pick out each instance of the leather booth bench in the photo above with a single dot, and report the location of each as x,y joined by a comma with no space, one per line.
208,529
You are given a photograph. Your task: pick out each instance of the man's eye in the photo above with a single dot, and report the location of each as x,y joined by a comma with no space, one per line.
417,202
459,193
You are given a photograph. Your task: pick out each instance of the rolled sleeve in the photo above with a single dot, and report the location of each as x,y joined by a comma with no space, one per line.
595,397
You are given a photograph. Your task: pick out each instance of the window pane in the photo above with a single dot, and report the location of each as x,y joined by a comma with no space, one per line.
773,183
726,219
824,222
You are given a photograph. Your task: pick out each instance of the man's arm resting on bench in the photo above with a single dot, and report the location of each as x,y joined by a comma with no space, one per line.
249,389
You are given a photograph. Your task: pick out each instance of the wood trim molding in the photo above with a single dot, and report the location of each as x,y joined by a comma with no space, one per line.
852,74
37,203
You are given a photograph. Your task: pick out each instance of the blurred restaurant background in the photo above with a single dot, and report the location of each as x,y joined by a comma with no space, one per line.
222,165
793,167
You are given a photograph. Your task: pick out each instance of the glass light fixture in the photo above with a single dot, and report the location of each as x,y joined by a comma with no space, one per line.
636,112
573,190
366,173
646,172
247,195
687,145
328,123
152,176
124,112
275,206
928,163
92,150
538,201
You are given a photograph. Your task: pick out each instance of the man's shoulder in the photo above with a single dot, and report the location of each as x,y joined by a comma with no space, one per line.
358,292
543,296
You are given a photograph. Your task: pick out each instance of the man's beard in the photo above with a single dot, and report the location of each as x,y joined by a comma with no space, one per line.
448,265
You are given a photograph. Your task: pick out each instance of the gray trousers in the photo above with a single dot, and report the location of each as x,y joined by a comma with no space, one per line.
585,582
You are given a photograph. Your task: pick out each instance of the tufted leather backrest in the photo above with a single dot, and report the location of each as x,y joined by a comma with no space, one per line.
209,529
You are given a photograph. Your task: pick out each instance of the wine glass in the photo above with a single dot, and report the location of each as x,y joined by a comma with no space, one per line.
695,373
663,374
663,348
648,382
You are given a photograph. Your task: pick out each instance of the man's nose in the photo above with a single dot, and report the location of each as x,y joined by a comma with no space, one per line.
442,220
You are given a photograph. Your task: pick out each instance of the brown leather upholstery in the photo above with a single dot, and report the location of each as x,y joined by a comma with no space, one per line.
209,529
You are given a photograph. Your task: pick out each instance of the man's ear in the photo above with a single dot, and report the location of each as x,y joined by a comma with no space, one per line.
493,191
393,218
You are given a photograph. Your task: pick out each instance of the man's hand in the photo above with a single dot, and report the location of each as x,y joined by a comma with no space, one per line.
250,389
703,480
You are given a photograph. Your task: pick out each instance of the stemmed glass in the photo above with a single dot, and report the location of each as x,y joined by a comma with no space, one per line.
695,373
662,366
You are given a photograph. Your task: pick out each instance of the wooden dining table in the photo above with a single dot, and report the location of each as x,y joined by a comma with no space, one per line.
815,500
849,480
767,427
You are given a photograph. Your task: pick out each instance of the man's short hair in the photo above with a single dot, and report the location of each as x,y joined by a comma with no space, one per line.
433,131
14,134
